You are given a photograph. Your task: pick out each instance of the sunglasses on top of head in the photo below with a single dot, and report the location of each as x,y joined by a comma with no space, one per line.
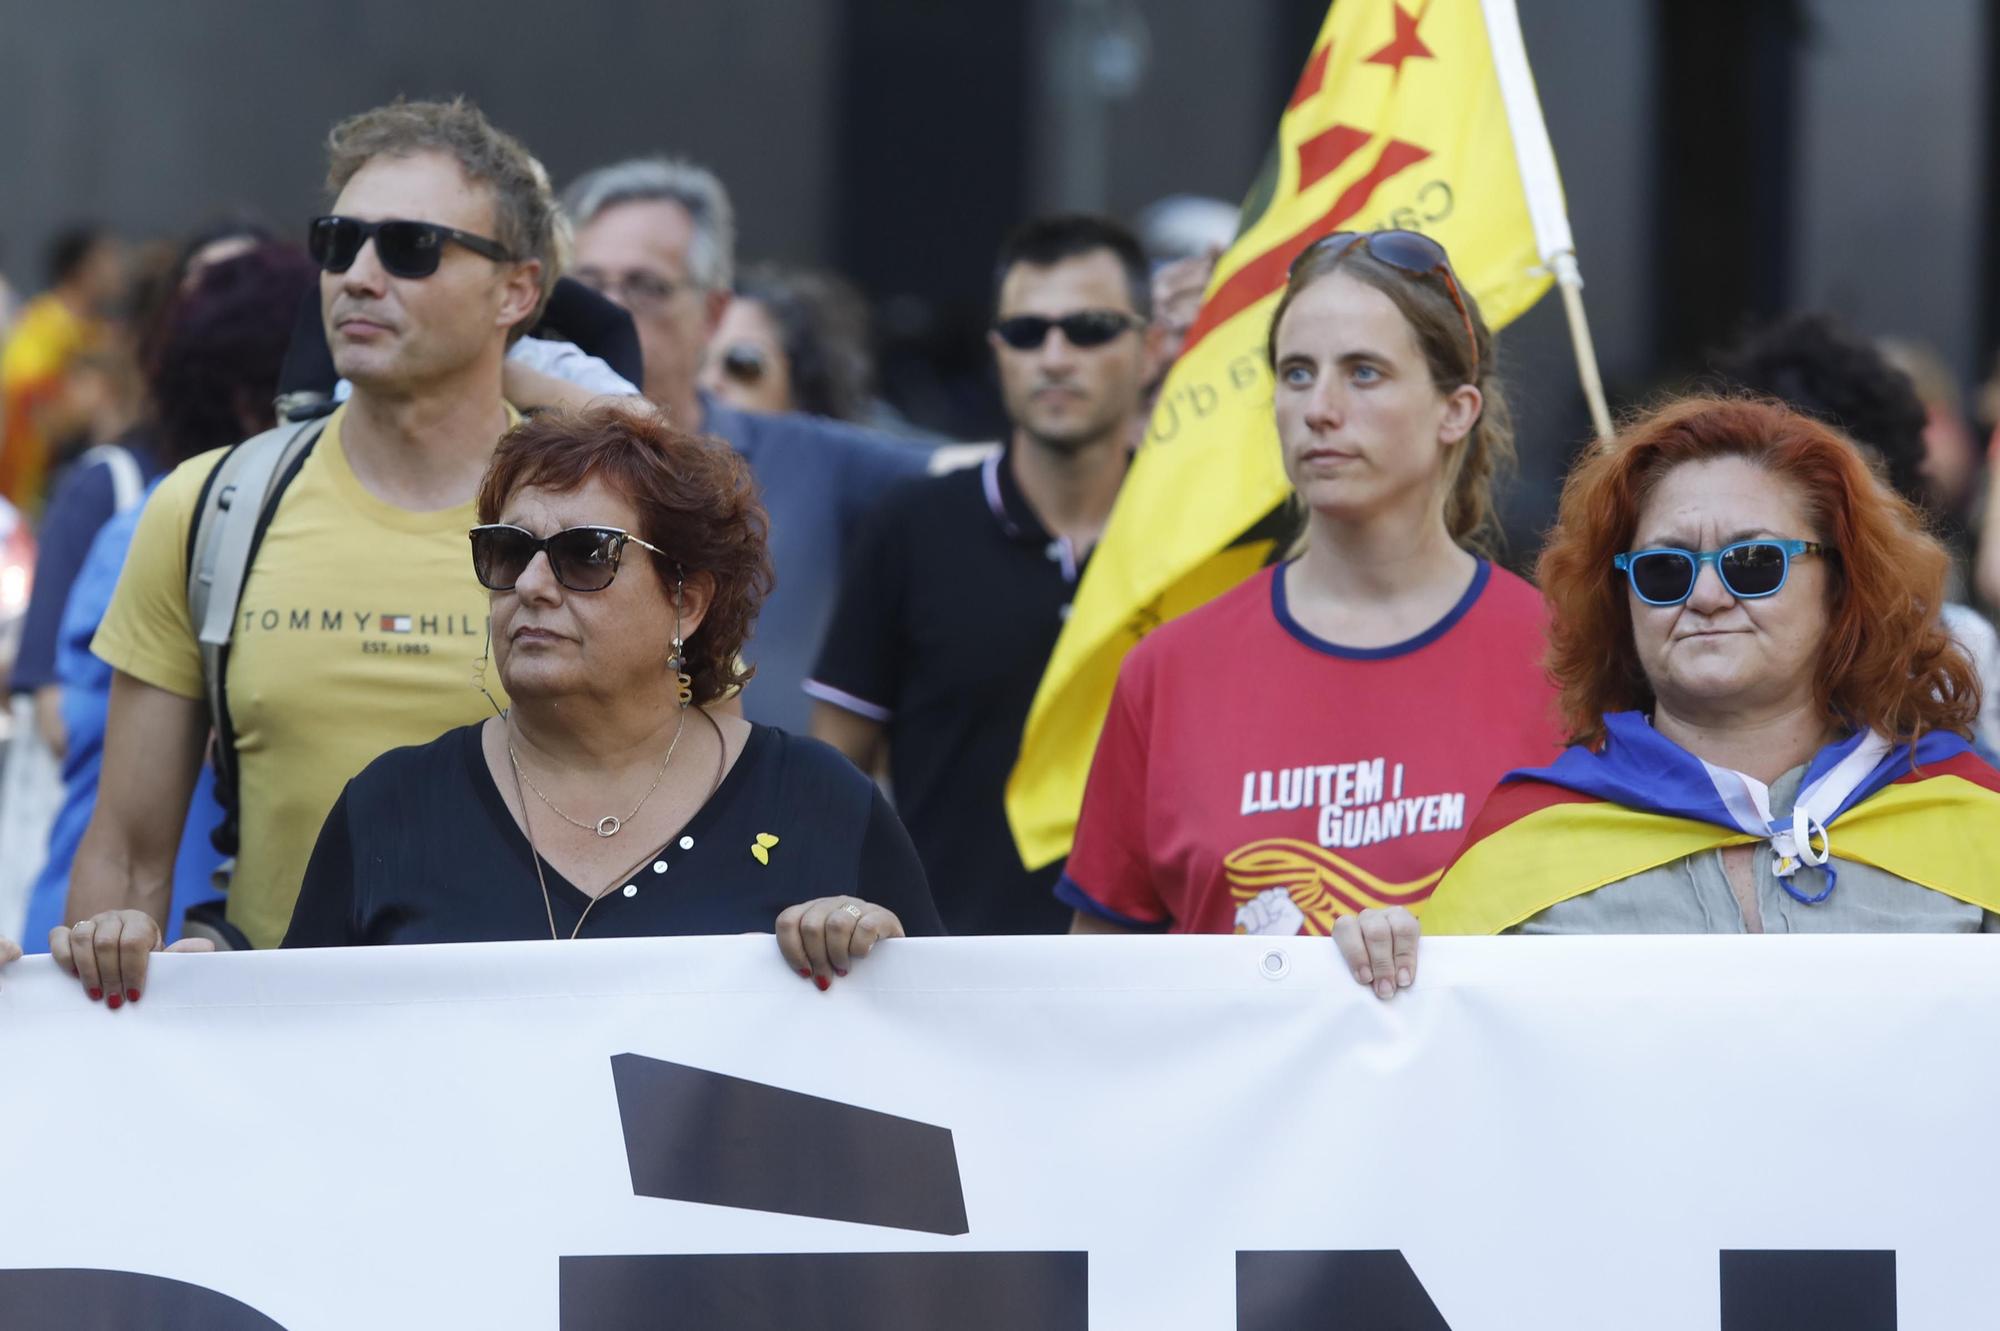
583,559
404,248
1086,328
1410,252
1750,570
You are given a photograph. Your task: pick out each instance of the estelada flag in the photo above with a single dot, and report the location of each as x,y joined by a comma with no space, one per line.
1397,122
1928,813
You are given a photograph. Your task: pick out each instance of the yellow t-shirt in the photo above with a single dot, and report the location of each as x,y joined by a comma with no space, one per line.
359,631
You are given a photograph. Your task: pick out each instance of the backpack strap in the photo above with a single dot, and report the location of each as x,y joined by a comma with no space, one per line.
128,483
234,510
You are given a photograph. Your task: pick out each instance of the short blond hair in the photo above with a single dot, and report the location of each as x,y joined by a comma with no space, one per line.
526,218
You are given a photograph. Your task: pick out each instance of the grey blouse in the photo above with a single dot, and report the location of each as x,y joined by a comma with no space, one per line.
1692,896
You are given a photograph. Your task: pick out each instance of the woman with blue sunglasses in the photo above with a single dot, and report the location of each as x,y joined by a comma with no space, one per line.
1769,715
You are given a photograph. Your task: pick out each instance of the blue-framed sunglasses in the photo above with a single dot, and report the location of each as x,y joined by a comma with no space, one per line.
1749,569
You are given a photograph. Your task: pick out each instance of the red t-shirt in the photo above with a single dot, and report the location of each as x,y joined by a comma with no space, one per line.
1253,778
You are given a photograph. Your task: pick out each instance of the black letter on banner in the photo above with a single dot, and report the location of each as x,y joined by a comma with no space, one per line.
65,1299
696,1136
838,1291
1834,1290
1332,1291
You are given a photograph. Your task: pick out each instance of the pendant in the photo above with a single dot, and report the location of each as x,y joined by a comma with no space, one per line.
608,826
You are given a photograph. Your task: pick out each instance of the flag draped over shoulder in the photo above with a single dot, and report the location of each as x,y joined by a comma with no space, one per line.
1929,814
1397,122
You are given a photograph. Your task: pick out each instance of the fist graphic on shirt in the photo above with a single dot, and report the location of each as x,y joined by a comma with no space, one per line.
1271,911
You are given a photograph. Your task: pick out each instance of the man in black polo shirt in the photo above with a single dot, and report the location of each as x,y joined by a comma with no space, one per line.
958,586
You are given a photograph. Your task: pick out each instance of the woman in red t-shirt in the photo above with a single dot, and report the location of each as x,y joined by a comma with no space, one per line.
1316,741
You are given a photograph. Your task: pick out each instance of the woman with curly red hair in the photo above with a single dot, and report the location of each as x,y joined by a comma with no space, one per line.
1769,715
626,561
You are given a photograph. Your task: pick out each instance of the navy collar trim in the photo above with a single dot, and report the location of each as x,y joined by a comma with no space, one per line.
1480,576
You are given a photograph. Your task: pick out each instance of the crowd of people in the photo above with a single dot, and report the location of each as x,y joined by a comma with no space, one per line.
533,557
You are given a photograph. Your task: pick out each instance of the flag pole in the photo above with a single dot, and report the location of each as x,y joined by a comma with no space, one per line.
1543,187
1569,280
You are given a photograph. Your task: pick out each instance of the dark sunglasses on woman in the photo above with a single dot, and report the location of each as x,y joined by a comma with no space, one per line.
1665,575
583,559
403,248
1410,251
743,364
1085,328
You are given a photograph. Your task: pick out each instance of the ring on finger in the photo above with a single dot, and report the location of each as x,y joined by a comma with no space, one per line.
852,909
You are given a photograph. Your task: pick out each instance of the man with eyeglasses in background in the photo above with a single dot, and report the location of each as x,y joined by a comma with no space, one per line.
658,235
960,583
360,621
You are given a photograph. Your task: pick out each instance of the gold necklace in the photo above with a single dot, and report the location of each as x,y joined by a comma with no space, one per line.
608,825
535,856
548,903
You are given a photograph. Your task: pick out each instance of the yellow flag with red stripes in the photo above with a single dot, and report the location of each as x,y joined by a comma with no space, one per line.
1397,122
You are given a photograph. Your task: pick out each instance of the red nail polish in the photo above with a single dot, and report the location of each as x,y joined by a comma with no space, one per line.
822,982
96,995
805,972
114,1001
841,973
131,995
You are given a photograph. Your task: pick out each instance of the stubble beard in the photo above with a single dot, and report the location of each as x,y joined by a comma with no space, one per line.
1071,438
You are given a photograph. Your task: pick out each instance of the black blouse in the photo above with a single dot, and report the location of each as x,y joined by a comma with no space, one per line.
420,848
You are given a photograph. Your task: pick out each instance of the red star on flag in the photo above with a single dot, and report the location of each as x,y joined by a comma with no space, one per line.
1407,46
1313,79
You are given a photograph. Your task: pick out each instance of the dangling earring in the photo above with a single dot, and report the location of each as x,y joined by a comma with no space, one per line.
479,670
678,661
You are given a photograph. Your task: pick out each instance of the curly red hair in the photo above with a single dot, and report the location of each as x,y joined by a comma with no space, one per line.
695,499
1887,661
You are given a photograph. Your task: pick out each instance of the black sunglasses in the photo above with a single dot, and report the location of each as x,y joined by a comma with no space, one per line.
744,364
405,249
1665,575
583,559
1413,253
1086,328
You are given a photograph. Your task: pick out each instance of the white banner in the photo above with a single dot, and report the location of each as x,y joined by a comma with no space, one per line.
971,1134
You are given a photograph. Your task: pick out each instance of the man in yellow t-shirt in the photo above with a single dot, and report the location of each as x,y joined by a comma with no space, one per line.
360,624
86,272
